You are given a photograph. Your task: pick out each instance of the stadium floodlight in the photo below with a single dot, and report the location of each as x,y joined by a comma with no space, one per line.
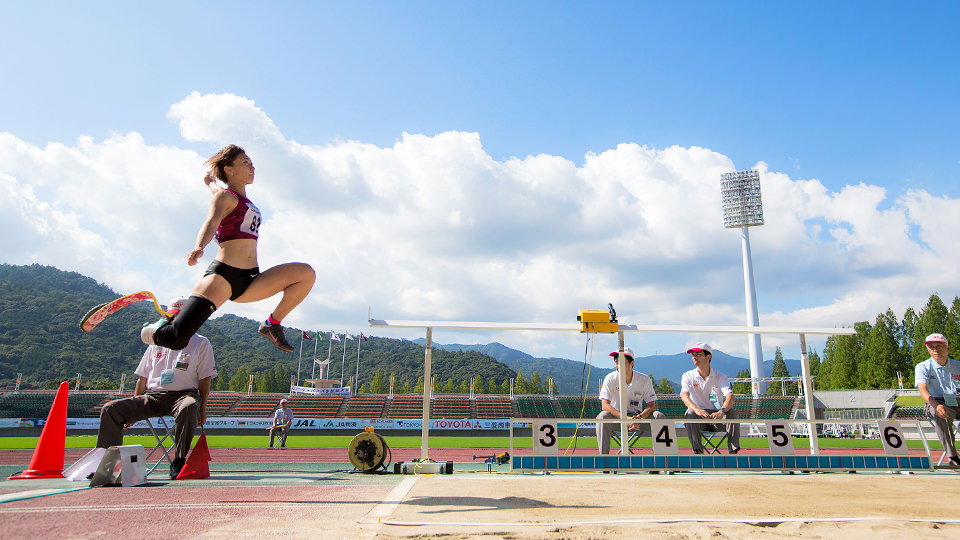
743,208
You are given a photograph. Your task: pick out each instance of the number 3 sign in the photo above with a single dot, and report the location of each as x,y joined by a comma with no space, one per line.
545,438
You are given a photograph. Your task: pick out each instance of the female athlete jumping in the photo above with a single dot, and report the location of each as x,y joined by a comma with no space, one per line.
234,222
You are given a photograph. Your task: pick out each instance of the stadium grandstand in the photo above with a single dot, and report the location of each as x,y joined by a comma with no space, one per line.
834,408
37,403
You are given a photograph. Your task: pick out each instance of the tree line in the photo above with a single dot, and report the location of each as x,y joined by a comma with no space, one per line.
880,355
278,379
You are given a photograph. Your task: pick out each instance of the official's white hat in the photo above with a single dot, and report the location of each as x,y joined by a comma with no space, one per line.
284,400
175,305
701,347
627,351
936,338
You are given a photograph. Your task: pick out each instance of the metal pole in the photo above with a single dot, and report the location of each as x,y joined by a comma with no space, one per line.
425,429
808,395
313,373
356,379
753,318
624,404
329,349
343,361
300,359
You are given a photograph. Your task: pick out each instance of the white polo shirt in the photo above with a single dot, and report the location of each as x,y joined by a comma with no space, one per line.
169,370
700,388
639,390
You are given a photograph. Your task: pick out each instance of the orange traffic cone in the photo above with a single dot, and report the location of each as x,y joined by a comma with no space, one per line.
47,461
196,467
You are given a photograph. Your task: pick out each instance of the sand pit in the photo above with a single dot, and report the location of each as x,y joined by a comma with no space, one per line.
580,506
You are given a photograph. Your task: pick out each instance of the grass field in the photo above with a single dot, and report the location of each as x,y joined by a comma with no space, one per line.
910,401
413,441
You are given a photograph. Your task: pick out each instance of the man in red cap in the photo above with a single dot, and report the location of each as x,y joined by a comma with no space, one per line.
170,383
938,379
639,393
696,386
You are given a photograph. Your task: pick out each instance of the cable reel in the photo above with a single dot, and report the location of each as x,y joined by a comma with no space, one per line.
368,451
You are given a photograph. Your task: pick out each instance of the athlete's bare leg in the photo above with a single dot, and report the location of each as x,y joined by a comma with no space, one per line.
293,279
214,288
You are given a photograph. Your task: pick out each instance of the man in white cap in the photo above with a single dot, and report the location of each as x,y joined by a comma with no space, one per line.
639,393
696,386
170,383
282,420
938,379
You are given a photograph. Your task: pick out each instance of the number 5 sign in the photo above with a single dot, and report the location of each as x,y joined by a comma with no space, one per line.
544,438
892,438
778,436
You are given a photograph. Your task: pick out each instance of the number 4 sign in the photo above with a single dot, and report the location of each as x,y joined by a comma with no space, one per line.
892,438
664,436
779,439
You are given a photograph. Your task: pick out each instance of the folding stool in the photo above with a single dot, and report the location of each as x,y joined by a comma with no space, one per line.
161,442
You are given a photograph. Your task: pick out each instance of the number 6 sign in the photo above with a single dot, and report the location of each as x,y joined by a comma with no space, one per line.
892,438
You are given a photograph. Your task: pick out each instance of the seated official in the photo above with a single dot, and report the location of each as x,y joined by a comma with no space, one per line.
170,383
695,389
282,420
938,380
639,391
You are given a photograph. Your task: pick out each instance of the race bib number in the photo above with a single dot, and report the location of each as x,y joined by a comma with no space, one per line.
545,439
663,434
891,435
779,439
251,220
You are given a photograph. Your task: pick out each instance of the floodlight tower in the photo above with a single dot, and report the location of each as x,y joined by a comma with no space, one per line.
743,209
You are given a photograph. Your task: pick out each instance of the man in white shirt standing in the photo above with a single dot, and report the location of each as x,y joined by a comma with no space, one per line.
695,389
639,392
169,383
938,379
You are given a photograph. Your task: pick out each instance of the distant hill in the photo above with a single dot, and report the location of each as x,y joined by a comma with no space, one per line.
569,374
40,307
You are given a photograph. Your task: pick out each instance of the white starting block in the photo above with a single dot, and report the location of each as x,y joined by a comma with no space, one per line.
84,468
129,460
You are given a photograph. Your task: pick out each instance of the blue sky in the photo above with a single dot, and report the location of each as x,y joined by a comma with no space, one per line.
564,150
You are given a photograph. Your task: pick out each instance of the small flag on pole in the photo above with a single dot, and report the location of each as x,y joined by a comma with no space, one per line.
319,336
334,337
363,337
306,337
347,336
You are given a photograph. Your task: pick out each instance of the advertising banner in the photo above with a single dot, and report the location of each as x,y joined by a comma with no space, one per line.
318,391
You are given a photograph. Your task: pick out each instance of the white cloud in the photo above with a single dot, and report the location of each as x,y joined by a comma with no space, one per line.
432,227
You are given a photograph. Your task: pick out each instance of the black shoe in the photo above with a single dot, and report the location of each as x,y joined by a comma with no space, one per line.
274,332
955,461
734,452
176,467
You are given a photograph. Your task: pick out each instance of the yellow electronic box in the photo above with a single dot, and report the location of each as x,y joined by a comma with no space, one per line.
598,320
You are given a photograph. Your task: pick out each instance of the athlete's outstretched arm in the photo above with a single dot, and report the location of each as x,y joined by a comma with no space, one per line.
222,203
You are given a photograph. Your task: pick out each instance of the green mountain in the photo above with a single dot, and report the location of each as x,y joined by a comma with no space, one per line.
41,306
569,376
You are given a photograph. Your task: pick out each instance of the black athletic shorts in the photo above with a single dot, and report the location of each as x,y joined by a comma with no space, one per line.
238,278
